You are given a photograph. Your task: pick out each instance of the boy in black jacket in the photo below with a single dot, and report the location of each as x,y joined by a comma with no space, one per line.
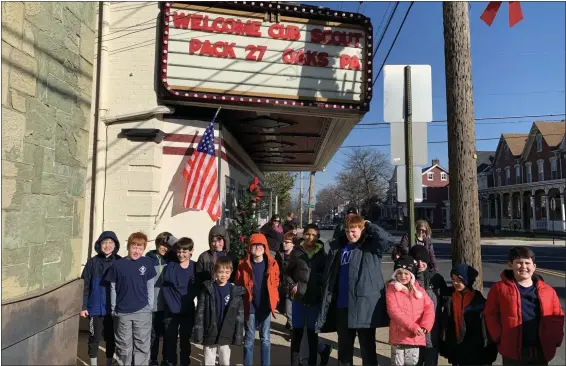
464,339
305,270
96,296
219,242
219,320
179,292
282,257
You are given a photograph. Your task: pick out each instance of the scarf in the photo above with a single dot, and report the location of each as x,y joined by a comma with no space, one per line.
459,305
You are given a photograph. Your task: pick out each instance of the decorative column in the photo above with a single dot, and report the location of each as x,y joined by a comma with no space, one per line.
497,198
547,206
488,211
563,212
511,206
533,211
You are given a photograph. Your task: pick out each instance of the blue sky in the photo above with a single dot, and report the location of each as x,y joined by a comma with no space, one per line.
516,71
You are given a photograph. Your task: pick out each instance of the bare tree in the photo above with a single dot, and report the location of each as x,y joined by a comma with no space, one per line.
327,199
365,177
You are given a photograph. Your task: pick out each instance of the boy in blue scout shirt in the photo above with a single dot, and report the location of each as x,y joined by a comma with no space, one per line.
131,281
160,257
179,291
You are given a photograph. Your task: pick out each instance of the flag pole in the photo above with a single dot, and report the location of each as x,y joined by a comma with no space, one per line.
219,163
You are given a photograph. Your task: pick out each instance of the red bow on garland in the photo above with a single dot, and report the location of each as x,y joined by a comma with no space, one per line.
515,12
255,187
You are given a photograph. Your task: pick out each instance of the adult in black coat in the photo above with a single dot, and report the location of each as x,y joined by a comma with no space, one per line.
206,330
273,231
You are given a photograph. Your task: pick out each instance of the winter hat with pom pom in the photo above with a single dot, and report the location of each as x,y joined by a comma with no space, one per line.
405,263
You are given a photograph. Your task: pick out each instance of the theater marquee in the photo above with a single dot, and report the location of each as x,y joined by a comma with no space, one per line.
267,53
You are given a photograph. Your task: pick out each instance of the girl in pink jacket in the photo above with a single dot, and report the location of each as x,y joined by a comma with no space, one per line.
411,312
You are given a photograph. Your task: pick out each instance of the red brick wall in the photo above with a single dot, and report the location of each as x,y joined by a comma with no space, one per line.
437,181
545,154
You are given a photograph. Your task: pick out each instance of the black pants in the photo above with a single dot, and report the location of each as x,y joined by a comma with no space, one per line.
346,338
99,325
178,326
529,356
157,330
428,356
296,338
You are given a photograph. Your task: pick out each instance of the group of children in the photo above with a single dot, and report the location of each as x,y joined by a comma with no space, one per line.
521,319
136,300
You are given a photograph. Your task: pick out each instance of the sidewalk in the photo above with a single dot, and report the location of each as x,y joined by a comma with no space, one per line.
280,348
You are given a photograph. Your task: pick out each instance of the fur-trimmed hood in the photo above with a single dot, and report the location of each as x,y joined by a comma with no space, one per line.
417,289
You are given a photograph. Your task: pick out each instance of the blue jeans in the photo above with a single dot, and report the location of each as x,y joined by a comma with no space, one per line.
304,315
263,324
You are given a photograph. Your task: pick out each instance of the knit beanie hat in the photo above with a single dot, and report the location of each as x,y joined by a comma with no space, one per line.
465,273
419,253
406,262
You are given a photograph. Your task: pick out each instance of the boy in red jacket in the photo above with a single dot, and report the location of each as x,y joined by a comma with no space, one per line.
523,314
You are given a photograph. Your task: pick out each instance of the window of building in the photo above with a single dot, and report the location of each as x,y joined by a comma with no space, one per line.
425,193
553,168
230,201
529,173
507,175
518,174
443,176
430,176
539,142
499,177
540,164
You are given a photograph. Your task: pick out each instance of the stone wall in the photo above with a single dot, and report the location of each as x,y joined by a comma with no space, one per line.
47,56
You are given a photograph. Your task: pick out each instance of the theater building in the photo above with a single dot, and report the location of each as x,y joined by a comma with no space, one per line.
291,81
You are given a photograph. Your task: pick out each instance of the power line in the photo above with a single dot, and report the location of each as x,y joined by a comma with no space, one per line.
443,125
477,119
394,41
446,141
384,29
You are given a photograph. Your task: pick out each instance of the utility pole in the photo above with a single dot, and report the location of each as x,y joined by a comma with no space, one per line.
301,200
464,209
311,197
409,156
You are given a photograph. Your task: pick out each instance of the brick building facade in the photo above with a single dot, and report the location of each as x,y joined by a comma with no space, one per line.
523,187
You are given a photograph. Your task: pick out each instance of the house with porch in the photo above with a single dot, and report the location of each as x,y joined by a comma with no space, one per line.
526,189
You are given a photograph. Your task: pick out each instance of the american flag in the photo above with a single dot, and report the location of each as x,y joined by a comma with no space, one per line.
201,175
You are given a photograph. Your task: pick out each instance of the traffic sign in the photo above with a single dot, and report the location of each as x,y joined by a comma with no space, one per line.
420,146
394,93
402,183
310,206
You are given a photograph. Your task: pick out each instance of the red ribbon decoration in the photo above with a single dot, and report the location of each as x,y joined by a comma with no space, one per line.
515,12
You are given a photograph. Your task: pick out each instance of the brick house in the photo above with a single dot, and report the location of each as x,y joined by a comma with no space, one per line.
435,207
527,189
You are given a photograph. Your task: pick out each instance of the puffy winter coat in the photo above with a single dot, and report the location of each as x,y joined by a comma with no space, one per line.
435,286
244,278
473,346
206,330
96,293
366,287
408,312
307,273
274,237
503,317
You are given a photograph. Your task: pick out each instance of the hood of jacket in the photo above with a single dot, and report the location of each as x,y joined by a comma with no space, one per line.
107,235
509,278
259,239
219,230
299,250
